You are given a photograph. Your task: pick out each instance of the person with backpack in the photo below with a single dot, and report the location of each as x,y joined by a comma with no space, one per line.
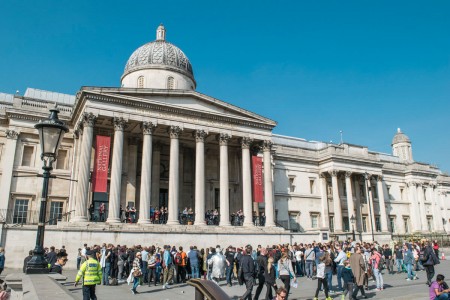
181,262
377,265
429,260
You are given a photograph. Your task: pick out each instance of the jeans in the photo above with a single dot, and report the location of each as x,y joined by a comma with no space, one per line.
135,283
378,278
399,264
300,268
409,268
168,274
348,289
106,271
152,276
309,268
144,271
358,288
430,272
89,292
120,273
286,279
329,278
78,262
195,271
229,272
339,276
443,296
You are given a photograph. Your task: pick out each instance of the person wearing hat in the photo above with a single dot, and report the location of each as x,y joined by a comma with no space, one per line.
91,271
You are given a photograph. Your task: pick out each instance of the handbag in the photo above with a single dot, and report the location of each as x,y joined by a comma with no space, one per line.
137,273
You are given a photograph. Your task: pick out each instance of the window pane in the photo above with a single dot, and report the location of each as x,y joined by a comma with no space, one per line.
56,210
61,161
20,211
27,157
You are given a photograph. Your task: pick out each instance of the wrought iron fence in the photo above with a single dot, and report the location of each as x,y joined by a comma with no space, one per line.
443,239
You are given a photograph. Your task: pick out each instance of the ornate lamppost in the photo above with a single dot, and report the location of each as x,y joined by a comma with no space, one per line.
352,221
51,132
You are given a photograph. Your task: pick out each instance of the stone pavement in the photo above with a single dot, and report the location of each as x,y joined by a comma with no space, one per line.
396,287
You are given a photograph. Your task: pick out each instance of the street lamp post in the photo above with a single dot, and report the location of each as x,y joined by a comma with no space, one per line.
51,132
353,220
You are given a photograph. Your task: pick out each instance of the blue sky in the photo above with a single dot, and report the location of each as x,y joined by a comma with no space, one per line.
316,67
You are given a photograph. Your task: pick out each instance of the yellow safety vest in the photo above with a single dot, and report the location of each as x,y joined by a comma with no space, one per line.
91,271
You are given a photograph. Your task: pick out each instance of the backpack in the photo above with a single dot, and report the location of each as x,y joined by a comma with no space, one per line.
381,263
178,258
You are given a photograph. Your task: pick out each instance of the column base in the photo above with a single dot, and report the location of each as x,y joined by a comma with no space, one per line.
144,221
113,221
250,224
199,223
270,225
225,224
173,222
79,219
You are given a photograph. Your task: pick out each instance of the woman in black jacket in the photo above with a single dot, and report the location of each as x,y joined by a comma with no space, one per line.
269,276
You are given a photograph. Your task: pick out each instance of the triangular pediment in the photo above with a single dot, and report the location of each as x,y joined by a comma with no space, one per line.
183,101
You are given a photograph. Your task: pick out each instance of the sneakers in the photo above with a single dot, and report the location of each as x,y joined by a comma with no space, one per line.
329,298
342,297
133,291
408,279
315,298
332,292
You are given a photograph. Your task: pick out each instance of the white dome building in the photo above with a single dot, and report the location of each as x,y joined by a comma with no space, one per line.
159,65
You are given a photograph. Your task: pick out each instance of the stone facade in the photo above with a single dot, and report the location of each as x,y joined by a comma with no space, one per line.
172,146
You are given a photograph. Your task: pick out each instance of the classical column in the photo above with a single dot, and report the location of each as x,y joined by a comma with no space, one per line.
358,212
381,202
200,136
349,191
116,172
132,166
174,180
268,185
224,181
436,207
84,168
422,209
415,215
7,168
146,173
441,199
156,174
324,200
369,194
74,173
246,182
336,202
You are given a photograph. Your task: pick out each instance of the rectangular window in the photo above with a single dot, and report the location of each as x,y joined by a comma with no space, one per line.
430,224
61,161
377,224
364,223
332,223
291,184
346,224
314,221
402,194
374,191
56,211
312,186
20,211
392,224
27,156
388,187
406,224
293,224
425,194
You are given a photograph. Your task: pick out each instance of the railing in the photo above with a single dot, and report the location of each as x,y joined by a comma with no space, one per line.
443,239
29,217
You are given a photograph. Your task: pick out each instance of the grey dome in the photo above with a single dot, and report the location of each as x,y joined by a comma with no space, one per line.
159,54
400,137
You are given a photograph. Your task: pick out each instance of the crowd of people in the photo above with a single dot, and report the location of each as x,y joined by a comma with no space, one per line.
338,267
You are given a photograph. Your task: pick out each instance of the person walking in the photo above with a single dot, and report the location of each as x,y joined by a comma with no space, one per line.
230,255
136,272
429,260
376,263
167,267
285,271
358,268
387,253
91,271
347,276
409,261
321,280
193,257
261,264
309,261
399,258
269,279
248,272
339,260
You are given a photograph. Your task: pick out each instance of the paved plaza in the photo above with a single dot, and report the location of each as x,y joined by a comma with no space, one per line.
396,287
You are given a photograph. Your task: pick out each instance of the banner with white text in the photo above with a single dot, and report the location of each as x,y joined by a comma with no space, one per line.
257,179
101,163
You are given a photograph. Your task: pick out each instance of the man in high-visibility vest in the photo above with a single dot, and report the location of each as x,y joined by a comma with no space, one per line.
91,271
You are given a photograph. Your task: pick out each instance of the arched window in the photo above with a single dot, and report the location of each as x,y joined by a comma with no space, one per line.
140,82
170,83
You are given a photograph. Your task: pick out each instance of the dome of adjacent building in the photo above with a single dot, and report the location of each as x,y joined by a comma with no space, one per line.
400,137
163,60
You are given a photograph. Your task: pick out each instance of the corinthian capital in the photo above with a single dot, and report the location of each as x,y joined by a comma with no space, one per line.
380,178
175,131
334,173
89,119
147,127
348,174
119,123
246,142
200,135
411,183
223,139
12,134
267,145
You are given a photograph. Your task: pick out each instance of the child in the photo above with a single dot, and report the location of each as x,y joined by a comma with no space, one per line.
321,278
347,275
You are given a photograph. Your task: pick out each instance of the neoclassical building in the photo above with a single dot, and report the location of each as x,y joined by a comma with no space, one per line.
171,146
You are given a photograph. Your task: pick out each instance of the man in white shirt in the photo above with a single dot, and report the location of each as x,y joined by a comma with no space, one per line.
339,260
299,261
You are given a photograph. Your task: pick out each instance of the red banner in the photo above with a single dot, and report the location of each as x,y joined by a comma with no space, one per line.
257,179
101,163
